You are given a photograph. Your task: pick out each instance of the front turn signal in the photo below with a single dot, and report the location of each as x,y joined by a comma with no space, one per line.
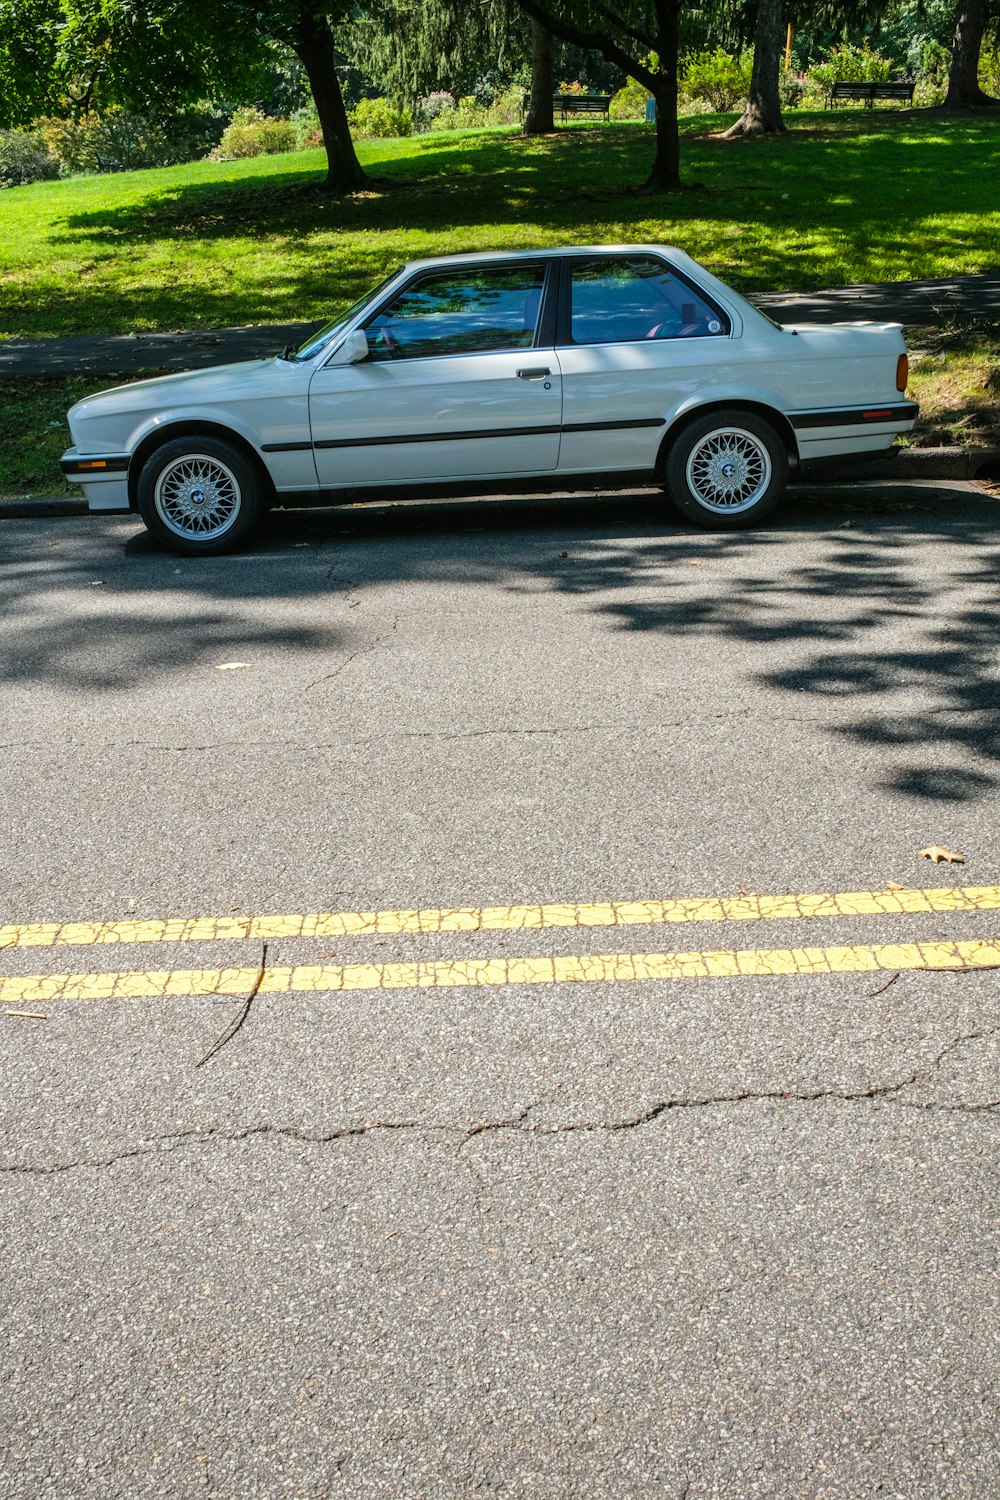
902,372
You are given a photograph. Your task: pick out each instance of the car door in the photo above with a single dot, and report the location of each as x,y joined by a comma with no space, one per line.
635,339
458,382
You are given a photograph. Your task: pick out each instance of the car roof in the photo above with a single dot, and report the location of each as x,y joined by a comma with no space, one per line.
543,252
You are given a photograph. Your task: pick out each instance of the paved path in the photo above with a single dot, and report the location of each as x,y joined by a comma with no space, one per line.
917,303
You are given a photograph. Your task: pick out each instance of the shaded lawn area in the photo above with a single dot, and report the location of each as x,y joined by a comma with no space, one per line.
851,196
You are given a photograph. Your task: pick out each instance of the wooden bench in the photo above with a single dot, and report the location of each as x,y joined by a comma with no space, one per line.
575,104
900,89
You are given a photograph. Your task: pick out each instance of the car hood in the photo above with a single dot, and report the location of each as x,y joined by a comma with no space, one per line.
248,378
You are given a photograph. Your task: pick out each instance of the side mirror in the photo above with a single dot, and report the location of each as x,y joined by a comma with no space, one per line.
353,349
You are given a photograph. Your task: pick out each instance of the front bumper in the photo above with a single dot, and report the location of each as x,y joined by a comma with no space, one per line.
104,477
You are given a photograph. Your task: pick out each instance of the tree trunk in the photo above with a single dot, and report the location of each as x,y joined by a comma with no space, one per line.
539,119
665,175
313,46
762,115
963,80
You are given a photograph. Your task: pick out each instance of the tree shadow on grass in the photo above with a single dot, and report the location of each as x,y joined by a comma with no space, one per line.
875,620
771,215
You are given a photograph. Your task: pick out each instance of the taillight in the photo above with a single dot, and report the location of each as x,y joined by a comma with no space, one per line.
902,372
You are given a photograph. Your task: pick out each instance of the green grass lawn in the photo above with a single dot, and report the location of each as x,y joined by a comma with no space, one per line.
856,195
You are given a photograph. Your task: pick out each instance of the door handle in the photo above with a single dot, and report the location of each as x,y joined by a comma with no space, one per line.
537,372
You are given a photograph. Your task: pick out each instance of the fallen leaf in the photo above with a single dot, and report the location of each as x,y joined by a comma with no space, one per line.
937,854
696,562
231,666
562,554
845,524
894,885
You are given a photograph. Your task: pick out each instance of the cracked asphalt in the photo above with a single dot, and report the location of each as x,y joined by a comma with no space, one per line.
709,1236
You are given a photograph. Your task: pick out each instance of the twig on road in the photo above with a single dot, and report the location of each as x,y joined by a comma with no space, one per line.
241,1014
883,987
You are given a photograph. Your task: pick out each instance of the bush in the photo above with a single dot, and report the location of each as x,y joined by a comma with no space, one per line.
630,102
791,88
308,130
252,133
847,64
430,106
24,157
989,71
721,81
122,141
377,119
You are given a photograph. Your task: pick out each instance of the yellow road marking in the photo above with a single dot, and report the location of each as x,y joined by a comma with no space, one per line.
452,973
504,918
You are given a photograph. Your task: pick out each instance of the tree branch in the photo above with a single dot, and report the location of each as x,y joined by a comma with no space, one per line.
644,38
591,41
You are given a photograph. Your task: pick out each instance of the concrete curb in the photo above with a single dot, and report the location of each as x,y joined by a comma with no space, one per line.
28,510
907,463
900,463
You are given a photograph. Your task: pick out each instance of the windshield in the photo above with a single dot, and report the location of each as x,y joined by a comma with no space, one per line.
328,334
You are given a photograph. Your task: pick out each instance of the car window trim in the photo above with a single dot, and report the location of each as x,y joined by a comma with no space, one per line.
564,338
544,325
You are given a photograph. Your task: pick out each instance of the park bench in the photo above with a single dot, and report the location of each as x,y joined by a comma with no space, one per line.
575,104
900,89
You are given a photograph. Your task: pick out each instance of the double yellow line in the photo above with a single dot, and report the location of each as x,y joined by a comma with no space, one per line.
477,972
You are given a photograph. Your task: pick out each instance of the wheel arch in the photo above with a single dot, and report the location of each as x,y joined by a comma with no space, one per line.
770,414
190,426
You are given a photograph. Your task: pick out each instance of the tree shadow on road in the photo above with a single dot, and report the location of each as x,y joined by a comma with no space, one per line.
876,620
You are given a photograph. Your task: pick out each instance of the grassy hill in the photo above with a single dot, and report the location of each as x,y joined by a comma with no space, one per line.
856,195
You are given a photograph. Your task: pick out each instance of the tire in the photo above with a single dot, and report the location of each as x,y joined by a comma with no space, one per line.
726,470
199,496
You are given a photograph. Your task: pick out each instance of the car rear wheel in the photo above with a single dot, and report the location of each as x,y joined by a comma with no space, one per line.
727,470
199,496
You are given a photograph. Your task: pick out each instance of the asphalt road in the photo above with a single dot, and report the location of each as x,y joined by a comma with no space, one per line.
464,1206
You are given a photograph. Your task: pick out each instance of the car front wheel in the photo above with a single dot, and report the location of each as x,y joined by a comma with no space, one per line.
727,470
199,496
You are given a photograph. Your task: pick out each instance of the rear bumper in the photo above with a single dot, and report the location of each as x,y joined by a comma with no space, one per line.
827,432
104,477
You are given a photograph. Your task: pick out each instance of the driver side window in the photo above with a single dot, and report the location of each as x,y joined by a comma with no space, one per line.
619,301
460,312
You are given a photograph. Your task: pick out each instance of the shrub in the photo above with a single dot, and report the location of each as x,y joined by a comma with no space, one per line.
430,106
24,157
791,88
120,140
721,80
308,130
439,111
376,119
847,64
630,102
989,71
506,107
252,133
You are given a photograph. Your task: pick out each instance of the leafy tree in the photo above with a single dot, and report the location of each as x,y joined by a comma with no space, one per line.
641,38
70,56
762,114
538,120
964,92
412,49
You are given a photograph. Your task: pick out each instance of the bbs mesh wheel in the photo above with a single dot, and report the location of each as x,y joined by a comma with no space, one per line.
199,496
726,470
